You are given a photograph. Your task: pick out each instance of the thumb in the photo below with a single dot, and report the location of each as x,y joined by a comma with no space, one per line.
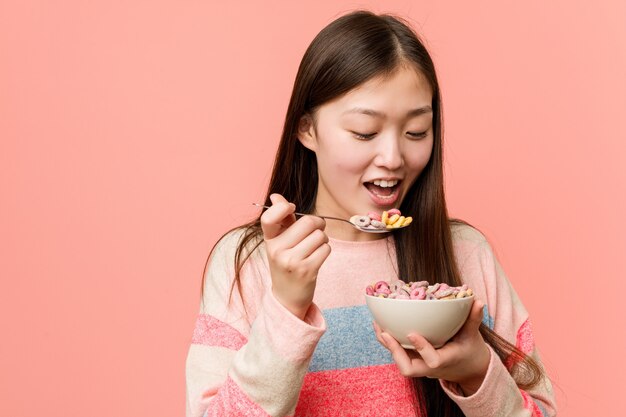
475,316
278,217
277,198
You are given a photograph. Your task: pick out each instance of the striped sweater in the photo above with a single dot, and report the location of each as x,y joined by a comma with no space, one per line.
254,358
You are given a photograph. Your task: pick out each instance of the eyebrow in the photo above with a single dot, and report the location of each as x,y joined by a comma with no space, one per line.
370,112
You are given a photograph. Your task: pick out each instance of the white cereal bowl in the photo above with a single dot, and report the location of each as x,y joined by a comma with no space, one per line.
436,320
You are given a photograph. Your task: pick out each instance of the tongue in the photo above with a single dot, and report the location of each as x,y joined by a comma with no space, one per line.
381,191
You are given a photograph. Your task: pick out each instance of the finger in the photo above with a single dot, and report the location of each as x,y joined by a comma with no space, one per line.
298,232
278,217
317,258
378,331
277,198
475,317
428,353
470,329
398,353
309,244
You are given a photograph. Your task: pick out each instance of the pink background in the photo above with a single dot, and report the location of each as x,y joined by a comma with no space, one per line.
134,133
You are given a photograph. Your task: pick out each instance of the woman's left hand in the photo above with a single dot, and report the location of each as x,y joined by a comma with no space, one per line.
464,359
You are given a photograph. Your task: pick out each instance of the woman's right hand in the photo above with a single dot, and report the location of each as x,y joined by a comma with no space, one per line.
296,249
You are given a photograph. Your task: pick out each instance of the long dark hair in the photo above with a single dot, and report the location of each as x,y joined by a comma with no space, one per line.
348,52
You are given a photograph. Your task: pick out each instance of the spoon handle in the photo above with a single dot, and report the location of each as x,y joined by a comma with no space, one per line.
305,214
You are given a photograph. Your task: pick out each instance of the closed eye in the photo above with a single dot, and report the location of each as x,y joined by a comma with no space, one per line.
367,136
417,135
364,136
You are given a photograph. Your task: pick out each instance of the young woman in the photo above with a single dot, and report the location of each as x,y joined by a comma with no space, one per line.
283,329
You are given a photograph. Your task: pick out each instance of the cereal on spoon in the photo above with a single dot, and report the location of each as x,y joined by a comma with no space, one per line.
391,219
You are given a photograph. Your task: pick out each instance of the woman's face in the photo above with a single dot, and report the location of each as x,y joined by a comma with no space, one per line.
371,144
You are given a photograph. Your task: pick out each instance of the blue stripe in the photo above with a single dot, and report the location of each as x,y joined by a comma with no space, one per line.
543,410
487,319
349,341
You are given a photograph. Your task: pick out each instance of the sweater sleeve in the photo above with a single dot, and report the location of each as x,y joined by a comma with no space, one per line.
504,313
246,358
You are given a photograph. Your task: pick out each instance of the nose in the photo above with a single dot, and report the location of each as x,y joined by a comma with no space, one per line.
389,153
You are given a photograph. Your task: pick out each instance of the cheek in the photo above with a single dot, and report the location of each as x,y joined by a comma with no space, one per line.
344,159
350,163
419,158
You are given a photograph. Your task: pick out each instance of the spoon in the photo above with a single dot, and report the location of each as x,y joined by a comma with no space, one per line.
361,228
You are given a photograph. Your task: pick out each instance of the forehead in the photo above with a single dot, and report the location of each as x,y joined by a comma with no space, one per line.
394,94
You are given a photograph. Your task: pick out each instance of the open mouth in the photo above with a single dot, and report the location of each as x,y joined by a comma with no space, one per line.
383,193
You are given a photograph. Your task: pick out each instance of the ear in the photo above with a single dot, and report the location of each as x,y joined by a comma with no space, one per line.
306,133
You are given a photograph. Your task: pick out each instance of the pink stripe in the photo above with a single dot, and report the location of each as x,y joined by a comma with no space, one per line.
232,401
529,404
525,342
373,391
213,332
525,339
